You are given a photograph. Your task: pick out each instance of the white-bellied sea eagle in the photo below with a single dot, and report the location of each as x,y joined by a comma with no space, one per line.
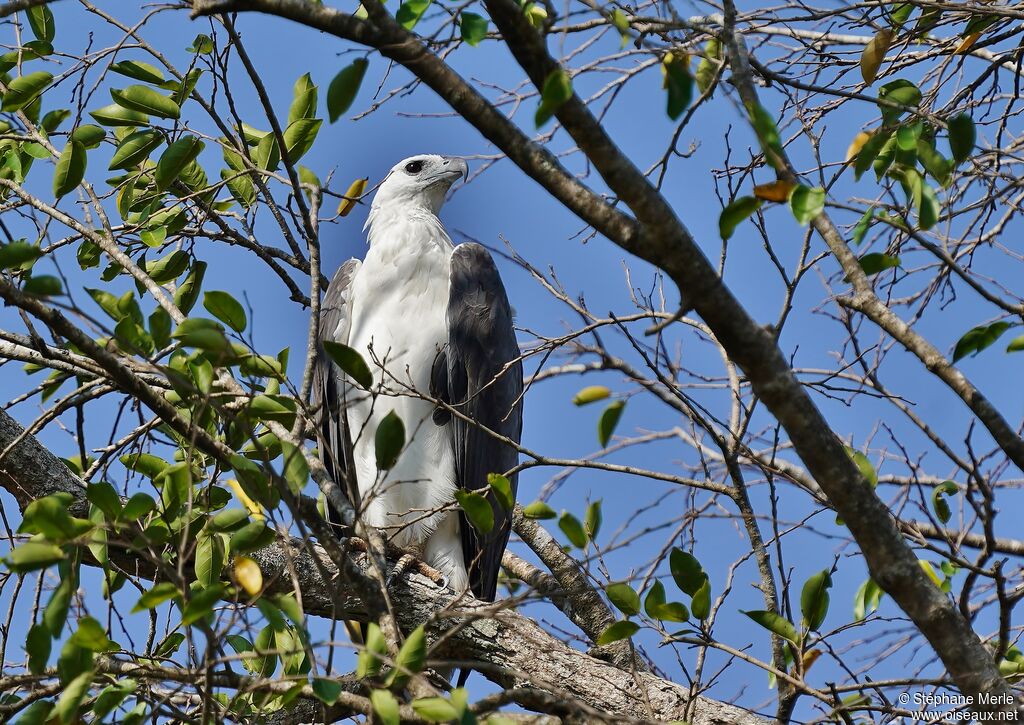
433,322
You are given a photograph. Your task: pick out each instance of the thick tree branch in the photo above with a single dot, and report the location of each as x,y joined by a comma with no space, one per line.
506,646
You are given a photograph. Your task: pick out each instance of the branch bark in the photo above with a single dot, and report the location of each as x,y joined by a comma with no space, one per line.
507,647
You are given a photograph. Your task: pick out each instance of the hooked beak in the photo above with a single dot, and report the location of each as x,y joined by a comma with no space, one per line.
455,167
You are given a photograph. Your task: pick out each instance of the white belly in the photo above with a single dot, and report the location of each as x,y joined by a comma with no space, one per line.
398,323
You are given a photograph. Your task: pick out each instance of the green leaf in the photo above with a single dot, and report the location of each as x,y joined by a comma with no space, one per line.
876,262
327,691
139,70
160,593
225,308
200,605
939,503
573,530
135,148
70,169
93,636
657,608
411,658
591,394
814,599
592,519
146,100
767,134
940,168
473,28
111,696
736,212
350,362
38,713
370,657
45,285
678,84
477,510
299,137
40,19
15,254
38,644
979,338
880,141
267,155
624,597
410,12
116,115
900,91
962,137
168,267
202,334
188,291
385,706
202,44
539,510
1016,344
175,158
388,441
89,135
24,89
66,708
137,506
806,203
49,516
33,555
501,487
343,89
169,645
254,535
103,496
147,464
687,571
866,599
296,470
209,559
775,623
708,66
700,603
863,224
56,612
928,209
557,90
304,100
618,630
609,420
435,709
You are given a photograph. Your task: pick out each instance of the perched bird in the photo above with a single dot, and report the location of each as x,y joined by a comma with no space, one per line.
433,322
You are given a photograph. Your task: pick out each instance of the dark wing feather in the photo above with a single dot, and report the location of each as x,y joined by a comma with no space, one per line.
485,383
329,392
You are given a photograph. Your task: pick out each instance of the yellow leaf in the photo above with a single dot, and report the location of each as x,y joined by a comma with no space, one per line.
352,196
777,191
857,144
248,575
810,657
253,508
874,53
967,43
930,571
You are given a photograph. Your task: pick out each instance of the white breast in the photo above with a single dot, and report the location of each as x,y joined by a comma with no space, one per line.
398,323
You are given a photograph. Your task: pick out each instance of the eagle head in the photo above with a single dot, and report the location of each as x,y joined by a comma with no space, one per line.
420,181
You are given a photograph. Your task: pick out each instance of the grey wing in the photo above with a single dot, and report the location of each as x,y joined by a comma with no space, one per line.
485,383
334,442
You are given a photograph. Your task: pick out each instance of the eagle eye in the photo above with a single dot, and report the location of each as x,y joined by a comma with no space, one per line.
414,167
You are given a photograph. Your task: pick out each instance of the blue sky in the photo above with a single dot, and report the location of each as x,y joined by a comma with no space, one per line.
504,204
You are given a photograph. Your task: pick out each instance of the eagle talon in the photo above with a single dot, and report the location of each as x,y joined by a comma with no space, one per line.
401,567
